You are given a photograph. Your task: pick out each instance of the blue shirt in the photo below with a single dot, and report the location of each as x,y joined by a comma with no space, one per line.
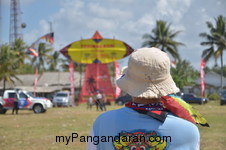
127,129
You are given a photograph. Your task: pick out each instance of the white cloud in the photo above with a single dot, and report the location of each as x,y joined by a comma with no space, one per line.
36,33
123,1
76,19
173,8
113,13
128,20
100,24
72,4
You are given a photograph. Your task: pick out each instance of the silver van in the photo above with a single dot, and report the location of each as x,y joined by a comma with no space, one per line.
62,98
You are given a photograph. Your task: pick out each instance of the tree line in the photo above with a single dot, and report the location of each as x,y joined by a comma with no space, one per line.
214,41
14,59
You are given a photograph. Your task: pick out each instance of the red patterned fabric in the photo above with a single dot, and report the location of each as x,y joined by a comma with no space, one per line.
97,78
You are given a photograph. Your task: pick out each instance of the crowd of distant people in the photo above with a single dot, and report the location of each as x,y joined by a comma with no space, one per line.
99,100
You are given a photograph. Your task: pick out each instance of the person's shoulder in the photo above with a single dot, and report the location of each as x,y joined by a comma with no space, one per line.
110,114
183,133
177,123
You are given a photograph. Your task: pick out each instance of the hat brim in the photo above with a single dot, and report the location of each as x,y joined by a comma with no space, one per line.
138,88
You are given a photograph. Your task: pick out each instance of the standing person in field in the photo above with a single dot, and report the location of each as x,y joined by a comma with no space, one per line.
90,103
15,102
98,101
156,119
103,102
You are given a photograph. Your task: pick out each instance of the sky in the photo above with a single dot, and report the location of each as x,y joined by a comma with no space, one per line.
125,20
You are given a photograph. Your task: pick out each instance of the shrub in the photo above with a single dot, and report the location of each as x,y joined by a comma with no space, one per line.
214,96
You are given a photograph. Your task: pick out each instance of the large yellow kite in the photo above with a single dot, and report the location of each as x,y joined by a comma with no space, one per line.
96,50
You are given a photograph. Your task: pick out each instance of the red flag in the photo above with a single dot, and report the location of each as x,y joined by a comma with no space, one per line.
117,75
32,51
71,70
173,64
202,74
48,37
36,81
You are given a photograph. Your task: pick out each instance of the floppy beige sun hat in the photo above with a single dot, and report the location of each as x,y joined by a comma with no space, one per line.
148,74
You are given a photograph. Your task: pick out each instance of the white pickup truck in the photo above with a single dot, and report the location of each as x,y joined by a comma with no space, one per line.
26,101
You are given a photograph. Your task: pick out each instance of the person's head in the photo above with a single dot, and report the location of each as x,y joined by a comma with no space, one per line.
148,75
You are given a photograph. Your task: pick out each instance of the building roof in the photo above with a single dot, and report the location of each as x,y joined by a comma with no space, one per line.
48,81
58,78
26,80
43,89
213,79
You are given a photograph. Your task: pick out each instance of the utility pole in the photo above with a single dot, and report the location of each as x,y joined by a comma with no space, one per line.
50,26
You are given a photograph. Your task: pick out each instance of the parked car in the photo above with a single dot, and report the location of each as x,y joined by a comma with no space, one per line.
223,97
192,98
62,98
123,99
180,94
26,101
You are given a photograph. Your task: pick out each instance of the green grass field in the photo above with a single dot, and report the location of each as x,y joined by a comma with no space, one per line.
29,131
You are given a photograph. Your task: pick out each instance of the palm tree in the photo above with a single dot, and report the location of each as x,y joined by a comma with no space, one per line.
216,40
19,49
43,56
54,61
77,66
8,65
184,74
65,64
163,37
